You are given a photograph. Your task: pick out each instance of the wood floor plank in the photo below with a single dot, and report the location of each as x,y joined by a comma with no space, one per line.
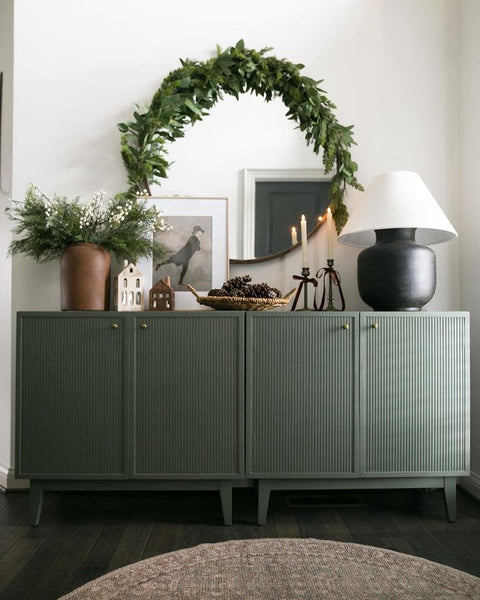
334,525
465,557
11,534
284,523
159,540
101,552
12,511
36,564
396,543
360,525
54,582
12,563
82,536
131,545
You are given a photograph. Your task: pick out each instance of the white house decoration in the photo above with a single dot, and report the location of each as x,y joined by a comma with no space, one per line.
128,289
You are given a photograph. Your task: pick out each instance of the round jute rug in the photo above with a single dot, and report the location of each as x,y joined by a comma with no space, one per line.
282,569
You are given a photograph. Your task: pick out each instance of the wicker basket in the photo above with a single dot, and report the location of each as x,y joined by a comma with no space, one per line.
235,303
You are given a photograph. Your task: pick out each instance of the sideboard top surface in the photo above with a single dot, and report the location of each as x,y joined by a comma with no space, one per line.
238,313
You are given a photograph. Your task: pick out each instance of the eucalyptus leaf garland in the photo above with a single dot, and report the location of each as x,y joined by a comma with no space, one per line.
189,92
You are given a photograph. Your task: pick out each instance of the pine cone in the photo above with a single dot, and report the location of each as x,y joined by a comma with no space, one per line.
263,290
240,287
237,283
217,292
259,290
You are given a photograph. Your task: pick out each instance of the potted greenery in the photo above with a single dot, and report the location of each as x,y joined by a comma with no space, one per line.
84,236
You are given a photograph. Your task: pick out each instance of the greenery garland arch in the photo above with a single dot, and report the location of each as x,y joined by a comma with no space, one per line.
187,93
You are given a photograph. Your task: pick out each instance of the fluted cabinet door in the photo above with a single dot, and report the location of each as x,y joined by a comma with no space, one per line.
70,410
414,394
301,394
188,417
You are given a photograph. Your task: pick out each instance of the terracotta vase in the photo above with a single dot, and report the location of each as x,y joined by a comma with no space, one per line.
85,277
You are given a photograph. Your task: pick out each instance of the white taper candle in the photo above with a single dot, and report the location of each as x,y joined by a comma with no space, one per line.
303,230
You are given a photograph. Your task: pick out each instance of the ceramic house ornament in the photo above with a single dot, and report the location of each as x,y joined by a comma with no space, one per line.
162,296
128,291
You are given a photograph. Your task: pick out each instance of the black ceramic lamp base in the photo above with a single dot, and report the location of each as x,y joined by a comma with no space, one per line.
396,273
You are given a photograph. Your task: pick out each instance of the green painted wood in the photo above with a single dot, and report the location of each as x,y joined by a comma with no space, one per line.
36,501
189,395
301,394
450,498
414,394
327,407
70,402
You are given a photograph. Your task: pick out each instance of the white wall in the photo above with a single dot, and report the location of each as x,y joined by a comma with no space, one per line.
469,130
6,67
389,66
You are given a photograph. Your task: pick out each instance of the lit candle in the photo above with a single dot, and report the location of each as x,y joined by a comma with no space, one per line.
294,236
303,230
329,234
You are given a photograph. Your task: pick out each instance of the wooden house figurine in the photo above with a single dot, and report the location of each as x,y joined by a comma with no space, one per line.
162,296
128,289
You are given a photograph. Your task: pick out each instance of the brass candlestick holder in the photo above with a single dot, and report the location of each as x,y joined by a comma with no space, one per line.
304,279
333,277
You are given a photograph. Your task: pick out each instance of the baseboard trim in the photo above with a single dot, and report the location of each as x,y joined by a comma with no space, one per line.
8,481
471,484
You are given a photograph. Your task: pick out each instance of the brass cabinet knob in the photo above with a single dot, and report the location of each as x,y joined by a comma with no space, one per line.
143,325
345,326
114,325
374,325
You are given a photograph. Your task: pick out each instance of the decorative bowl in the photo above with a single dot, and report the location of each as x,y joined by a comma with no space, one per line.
239,303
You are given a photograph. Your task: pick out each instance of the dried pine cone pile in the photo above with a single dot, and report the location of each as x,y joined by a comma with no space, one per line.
241,287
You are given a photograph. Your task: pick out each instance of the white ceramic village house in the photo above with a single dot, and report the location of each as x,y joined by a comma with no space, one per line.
128,289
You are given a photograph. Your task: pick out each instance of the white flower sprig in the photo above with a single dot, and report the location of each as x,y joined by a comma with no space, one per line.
92,213
118,213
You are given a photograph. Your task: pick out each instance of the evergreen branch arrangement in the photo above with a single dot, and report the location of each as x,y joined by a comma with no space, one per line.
46,226
187,93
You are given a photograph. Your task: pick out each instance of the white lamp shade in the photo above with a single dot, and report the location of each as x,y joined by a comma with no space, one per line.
399,199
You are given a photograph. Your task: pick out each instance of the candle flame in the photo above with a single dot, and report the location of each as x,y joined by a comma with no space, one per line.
329,211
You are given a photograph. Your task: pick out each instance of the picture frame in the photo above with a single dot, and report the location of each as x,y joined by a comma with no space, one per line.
196,244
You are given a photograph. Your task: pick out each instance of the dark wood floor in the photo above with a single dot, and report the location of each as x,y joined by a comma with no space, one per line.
82,536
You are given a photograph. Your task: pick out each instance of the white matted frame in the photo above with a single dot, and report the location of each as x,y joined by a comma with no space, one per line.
197,247
250,178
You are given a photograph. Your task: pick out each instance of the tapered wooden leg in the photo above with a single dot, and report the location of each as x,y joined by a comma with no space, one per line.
263,500
36,502
450,495
226,500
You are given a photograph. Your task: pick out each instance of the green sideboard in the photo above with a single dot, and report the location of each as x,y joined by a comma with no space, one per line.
130,401
357,400
209,400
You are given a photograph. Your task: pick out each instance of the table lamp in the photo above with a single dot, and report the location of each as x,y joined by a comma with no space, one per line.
397,220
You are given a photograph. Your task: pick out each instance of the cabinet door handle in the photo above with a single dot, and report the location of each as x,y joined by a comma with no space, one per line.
374,325
143,325
114,325
345,326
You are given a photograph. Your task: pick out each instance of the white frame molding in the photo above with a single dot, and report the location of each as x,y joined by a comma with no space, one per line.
250,178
